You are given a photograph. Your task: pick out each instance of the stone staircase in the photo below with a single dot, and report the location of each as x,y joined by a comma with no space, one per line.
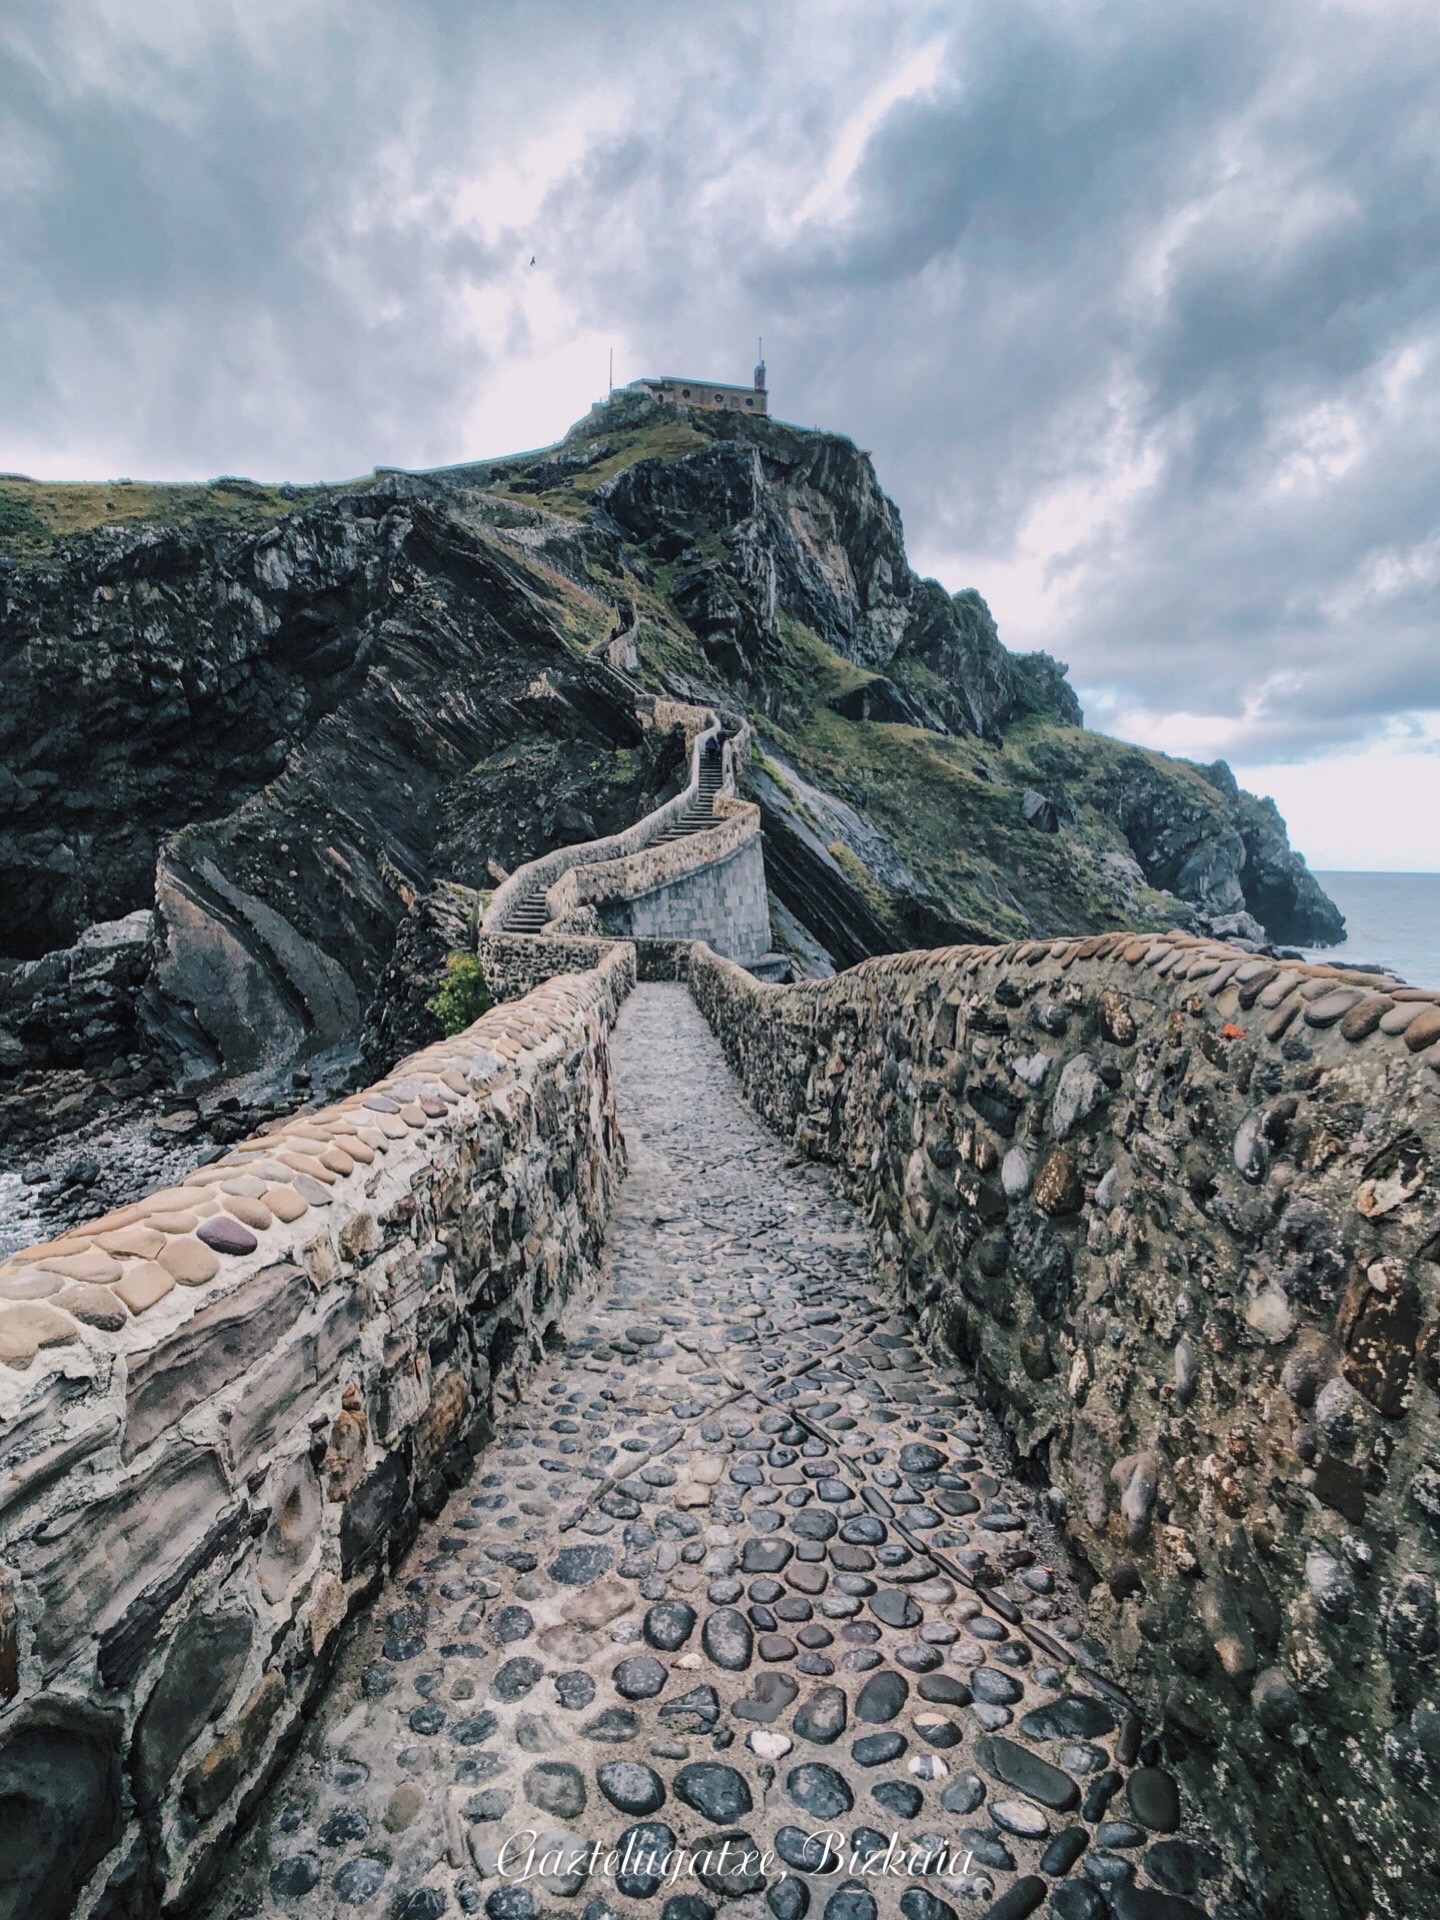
700,814
530,914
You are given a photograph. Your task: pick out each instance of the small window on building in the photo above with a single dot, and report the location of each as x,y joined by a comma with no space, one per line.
685,393
749,403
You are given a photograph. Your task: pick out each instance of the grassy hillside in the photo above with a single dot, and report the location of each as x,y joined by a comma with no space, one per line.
36,514
951,806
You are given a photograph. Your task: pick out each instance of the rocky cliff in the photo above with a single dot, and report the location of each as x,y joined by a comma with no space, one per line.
277,720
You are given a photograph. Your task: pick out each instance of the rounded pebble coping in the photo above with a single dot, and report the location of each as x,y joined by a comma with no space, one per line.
521,1026
191,1235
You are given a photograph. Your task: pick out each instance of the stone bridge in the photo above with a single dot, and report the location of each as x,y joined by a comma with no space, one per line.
959,1438
692,869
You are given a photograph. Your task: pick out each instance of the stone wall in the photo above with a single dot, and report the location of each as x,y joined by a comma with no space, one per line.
1178,1207
565,864
537,876
224,1408
722,899
710,885
514,964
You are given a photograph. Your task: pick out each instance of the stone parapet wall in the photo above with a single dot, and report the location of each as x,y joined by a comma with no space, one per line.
1179,1206
692,721
656,866
514,964
663,960
224,1408
540,876
537,876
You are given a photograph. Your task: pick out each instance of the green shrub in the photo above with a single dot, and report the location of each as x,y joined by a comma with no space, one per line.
464,996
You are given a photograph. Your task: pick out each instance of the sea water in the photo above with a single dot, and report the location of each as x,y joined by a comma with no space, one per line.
1392,919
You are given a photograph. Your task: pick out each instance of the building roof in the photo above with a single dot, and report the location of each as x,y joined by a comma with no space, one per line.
692,380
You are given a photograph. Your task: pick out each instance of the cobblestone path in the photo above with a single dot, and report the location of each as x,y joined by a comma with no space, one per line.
732,1570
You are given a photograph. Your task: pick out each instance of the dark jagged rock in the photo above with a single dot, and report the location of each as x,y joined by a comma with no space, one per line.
306,732
259,735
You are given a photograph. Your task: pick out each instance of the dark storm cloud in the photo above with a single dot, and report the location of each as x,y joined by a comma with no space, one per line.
1145,299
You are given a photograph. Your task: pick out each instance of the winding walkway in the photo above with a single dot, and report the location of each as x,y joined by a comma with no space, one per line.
714,1579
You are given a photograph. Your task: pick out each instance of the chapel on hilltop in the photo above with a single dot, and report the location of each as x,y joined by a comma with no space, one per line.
680,390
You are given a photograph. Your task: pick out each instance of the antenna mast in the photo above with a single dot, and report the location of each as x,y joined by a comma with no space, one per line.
612,370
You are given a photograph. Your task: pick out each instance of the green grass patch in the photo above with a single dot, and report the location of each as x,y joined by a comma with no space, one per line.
464,994
35,515
950,805
670,440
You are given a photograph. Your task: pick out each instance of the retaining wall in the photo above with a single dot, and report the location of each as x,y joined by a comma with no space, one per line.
224,1408
1178,1206
716,896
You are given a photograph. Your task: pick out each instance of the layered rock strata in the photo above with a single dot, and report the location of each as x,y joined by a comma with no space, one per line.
1177,1205
224,1408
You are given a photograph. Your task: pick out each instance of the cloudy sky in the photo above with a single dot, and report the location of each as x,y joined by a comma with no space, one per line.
1137,306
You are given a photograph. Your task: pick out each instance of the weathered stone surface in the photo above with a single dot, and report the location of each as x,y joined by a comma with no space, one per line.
1028,1773
294,1528
27,1327
226,1234
188,1261
1074,1716
770,1694
93,1307
669,1624
640,1677
631,1786
1154,1799
221,1342
727,1639
372,1511
1057,1189
882,1697
576,1566
555,1786
819,1790
9,1638
1117,1023
60,1807
89,1569
717,1791
237,1752
822,1717
1078,1092
201,1672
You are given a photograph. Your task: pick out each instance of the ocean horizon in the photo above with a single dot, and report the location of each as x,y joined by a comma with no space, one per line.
1391,920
